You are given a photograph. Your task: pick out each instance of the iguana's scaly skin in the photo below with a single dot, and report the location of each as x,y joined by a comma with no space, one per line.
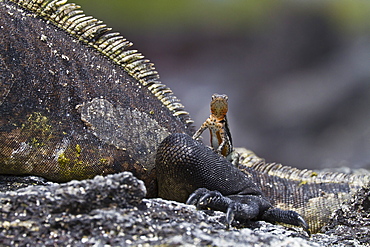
76,101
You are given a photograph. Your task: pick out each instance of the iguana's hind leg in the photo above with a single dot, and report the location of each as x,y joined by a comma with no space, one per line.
186,167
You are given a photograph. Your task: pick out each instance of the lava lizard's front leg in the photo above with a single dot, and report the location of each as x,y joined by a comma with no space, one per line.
186,167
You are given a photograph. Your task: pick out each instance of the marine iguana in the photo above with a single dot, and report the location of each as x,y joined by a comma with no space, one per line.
84,98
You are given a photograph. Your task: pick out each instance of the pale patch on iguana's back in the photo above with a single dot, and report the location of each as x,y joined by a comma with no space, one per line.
109,124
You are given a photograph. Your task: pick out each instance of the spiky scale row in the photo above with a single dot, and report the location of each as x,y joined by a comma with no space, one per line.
310,176
93,32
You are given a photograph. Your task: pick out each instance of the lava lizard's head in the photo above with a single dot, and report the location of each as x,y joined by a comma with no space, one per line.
219,105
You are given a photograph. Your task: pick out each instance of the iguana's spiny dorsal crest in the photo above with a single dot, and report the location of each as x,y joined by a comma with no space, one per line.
93,32
75,100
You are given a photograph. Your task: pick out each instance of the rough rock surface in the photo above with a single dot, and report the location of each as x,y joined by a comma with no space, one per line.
112,210
351,223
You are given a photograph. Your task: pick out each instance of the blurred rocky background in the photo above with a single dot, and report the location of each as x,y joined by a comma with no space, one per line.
297,73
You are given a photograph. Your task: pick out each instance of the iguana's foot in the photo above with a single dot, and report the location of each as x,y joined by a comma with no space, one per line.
244,207
250,209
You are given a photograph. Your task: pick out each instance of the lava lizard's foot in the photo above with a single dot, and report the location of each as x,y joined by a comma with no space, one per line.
186,167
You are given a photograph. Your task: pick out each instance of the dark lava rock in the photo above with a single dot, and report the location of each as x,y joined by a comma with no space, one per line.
9,183
351,222
112,210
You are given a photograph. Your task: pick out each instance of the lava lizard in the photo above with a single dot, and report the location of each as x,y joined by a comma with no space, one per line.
220,135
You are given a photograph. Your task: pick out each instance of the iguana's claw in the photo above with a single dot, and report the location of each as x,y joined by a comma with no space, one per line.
203,198
285,216
244,207
195,196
